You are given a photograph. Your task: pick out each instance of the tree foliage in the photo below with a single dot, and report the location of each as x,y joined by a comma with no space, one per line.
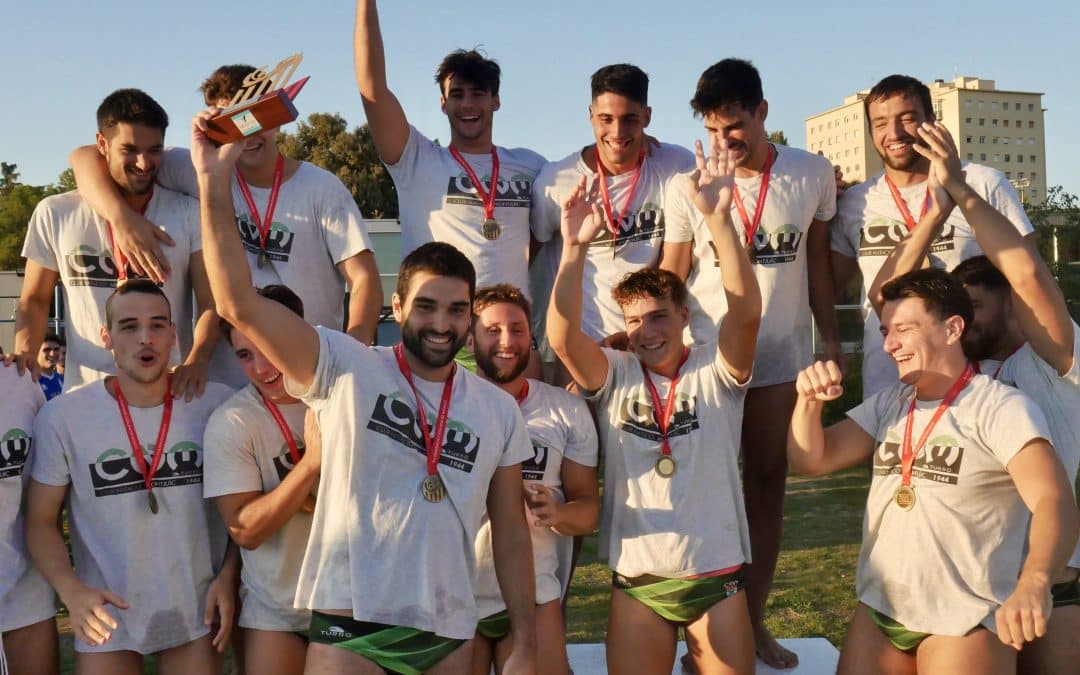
778,137
326,141
17,202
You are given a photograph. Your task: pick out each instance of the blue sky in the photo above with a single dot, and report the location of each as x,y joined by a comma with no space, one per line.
63,57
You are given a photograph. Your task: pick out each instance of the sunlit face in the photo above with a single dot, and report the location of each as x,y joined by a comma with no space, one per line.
893,124
266,378
434,317
917,340
989,324
141,336
132,153
469,109
744,130
260,149
619,125
501,341
49,355
654,327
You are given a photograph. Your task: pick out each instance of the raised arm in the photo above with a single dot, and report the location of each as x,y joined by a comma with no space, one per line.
137,237
813,450
583,358
288,341
711,187
1041,310
385,117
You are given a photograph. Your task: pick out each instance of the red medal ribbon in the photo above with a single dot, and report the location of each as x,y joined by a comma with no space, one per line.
294,451
613,225
133,437
487,198
668,406
119,259
978,368
523,394
263,223
907,456
902,205
433,444
751,227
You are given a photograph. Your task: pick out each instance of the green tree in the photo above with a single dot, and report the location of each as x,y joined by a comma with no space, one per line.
325,140
17,203
1057,232
778,137
9,176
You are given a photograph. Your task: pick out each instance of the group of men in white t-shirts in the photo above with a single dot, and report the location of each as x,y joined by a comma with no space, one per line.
382,509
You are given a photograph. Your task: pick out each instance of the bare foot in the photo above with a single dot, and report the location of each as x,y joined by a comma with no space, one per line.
771,652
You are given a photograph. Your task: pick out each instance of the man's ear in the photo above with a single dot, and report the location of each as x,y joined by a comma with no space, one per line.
395,305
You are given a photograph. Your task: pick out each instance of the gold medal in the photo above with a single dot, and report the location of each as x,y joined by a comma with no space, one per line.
905,497
491,229
665,466
262,259
432,488
152,501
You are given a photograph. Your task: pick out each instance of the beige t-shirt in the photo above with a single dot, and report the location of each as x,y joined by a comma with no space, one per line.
946,565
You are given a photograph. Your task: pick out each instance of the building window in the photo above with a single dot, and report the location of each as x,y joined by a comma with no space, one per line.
1007,157
1020,175
1031,158
1031,107
982,139
982,156
993,105
967,103
997,158
967,120
1031,124
995,141
1031,140
1019,159
993,122
971,156
845,119
1018,105
1033,175
982,122
1019,124
856,167
969,139
982,105
1005,123
1005,140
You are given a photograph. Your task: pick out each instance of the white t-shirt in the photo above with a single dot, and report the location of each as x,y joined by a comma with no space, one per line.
868,227
1057,396
438,202
67,237
802,189
640,233
946,565
693,522
25,597
162,563
316,225
246,452
377,548
559,426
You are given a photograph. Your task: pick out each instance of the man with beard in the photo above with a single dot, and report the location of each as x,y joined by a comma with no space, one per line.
67,243
469,193
674,527
792,194
966,527
561,490
874,216
262,475
388,572
27,604
630,179
299,224
126,459
1021,335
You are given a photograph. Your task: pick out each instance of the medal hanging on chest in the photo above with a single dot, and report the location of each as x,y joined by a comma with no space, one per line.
614,226
490,227
901,205
147,470
663,410
262,224
432,487
750,227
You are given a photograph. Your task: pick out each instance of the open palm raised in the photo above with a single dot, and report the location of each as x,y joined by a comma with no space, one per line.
582,218
712,184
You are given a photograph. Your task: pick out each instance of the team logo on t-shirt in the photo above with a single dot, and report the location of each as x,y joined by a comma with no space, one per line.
939,461
880,235
534,467
14,449
776,247
115,471
279,241
509,192
636,416
394,418
283,463
86,266
645,225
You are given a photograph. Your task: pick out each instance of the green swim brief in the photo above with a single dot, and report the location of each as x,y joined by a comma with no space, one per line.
397,649
494,627
897,633
680,601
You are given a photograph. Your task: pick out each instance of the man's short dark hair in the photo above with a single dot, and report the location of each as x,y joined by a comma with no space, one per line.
650,282
54,337
941,293
470,66
729,82
280,294
903,85
130,106
440,259
501,293
144,286
623,79
979,271
224,82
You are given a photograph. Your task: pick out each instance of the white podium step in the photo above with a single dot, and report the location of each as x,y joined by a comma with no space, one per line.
816,657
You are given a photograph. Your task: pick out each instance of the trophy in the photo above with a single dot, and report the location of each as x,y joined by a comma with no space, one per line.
263,102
